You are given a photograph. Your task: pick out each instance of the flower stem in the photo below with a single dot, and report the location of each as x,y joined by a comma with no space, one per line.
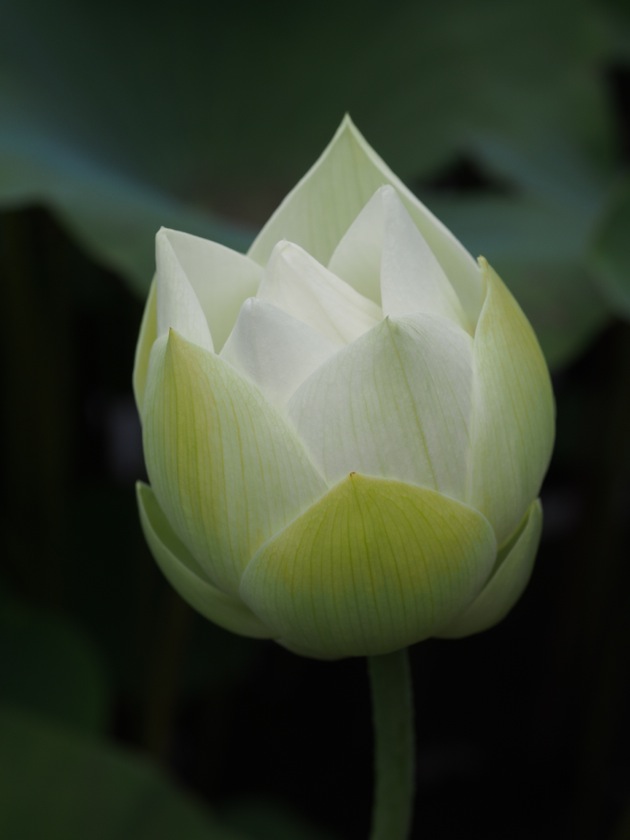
392,708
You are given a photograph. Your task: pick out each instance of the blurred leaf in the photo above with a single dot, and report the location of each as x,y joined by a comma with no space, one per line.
554,169
611,251
223,106
176,97
57,784
112,215
540,251
50,667
267,822
617,21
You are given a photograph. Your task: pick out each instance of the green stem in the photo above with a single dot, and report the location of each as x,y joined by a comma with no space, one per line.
392,704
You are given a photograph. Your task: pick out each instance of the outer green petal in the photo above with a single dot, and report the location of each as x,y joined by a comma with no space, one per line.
394,404
506,585
221,278
512,426
148,335
185,576
225,467
323,205
374,566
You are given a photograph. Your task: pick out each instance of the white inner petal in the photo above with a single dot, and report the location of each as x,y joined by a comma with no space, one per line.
395,404
304,289
385,257
274,350
412,279
220,278
357,257
178,306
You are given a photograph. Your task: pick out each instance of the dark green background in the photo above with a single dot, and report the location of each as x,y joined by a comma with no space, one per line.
122,714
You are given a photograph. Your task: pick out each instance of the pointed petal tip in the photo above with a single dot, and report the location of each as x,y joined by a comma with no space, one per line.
163,239
177,341
346,126
174,340
282,249
507,583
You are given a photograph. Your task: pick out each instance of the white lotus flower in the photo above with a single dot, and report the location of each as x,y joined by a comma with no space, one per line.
346,429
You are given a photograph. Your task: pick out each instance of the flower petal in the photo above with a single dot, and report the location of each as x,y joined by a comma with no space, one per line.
301,287
226,469
148,335
323,205
275,351
375,565
505,587
394,404
512,426
185,576
222,279
385,257
178,305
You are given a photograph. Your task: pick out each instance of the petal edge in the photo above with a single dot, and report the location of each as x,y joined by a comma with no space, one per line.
226,468
373,566
505,586
186,578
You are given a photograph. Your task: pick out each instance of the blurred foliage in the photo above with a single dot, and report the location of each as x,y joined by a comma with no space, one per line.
49,667
512,122
122,119
611,254
57,784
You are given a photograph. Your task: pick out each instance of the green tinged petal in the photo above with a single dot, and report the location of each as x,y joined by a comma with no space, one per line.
146,339
225,467
512,427
185,576
513,570
323,205
373,566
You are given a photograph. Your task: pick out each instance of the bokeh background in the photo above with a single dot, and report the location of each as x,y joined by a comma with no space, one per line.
122,713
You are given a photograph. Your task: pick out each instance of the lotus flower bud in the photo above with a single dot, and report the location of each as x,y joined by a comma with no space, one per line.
346,429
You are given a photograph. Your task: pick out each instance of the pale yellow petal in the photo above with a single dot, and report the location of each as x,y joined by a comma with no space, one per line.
374,566
227,470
